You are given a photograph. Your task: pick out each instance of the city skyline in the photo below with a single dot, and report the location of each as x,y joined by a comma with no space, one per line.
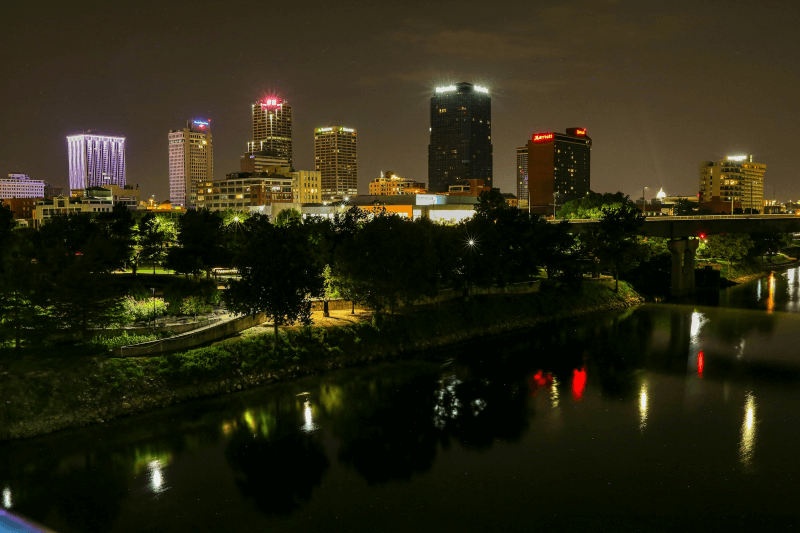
647,81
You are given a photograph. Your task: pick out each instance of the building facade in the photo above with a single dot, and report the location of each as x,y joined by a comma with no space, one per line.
558,168
242,191
191,161
95,160
307,187
469,188
264,161
522,177
272,129
735,181
336,159
391,183
23,208
127,195
461,136
61,205
21,186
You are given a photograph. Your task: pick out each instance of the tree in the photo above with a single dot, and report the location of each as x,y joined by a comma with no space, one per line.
200,245
731,247
192,305
684,207
288,216
154,235
491,204
279,275
388,261
593,205
614,240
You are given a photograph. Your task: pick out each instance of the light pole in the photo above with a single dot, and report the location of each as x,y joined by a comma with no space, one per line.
644,202
154,308
554,204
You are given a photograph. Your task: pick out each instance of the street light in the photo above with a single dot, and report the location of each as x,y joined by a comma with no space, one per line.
554,204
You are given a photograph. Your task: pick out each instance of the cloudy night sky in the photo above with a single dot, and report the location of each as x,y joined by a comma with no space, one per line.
660,86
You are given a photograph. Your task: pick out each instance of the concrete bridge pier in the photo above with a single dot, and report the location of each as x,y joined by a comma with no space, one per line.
683,251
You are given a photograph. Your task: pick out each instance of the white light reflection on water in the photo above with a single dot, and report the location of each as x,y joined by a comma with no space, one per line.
308,413
554,393
478,405
447,403
643,407
156,474
748,433
7,498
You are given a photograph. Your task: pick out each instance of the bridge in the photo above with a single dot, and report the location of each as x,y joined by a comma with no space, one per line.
681,229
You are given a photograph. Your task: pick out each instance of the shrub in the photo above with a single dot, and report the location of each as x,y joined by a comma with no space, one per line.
144,310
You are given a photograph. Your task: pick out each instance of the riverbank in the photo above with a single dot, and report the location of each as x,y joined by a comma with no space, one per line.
46,394
742,273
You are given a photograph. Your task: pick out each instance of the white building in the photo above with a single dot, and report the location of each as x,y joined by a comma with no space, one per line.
191,161
21,186
95,160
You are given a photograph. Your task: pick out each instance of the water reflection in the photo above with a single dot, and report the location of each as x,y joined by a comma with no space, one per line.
554,392
156,476
643,407
748,432
578,384
308,414
7,503
771,292
701,363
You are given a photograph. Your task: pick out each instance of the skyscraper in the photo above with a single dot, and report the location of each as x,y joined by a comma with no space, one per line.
734,180
460,148
522,177
95,160
558,168
272,128
191,160
336,159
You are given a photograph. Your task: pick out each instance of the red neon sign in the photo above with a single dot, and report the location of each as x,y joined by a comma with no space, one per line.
580,132
542,137
271,101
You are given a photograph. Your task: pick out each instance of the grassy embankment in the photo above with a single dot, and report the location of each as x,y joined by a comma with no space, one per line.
46,393
749,270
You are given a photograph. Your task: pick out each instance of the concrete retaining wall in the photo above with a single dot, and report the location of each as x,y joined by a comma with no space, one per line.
191,339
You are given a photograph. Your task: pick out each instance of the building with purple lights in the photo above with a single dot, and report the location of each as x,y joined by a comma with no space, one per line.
95,160
191,161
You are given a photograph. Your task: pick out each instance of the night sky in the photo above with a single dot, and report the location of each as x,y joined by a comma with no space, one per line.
660,86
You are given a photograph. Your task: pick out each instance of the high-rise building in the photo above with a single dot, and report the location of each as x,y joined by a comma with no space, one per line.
336,159
191,161
272,128
558,168
95,160
264,161
522,177
733,182
242,191
460,147
21,186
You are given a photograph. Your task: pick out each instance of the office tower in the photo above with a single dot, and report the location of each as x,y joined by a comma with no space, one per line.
21,186
264,161
191,161
242,191
272,129
460,148
336,159
734,180
95,160
522,177
558,168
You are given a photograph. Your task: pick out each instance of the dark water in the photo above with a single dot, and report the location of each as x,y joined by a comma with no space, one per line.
660,418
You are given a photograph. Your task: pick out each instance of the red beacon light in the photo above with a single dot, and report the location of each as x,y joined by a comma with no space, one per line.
702,235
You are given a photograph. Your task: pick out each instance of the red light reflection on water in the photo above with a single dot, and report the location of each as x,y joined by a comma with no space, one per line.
540,380
700,363
578,383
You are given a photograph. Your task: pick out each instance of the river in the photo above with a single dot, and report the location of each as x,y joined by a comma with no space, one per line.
658,418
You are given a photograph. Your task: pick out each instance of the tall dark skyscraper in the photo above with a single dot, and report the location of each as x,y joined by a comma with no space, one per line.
461,136
558,168
272,129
